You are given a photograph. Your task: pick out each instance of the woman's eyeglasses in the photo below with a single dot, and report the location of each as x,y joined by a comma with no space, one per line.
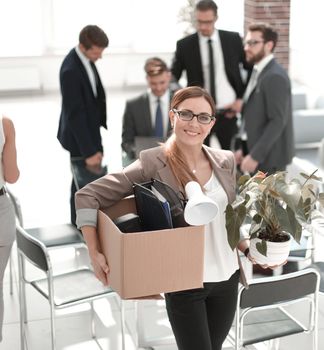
185,115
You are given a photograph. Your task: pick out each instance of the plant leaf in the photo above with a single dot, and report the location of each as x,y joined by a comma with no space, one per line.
234,220
262,247
243,179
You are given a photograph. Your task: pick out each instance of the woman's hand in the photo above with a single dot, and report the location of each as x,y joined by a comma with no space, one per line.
100,267
98,260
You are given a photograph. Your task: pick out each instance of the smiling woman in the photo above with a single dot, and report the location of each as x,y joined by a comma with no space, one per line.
200,318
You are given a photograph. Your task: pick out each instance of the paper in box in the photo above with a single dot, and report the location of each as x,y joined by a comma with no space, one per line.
151,262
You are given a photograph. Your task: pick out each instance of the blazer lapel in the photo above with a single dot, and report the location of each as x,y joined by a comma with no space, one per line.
223,175
165,174
196,58
147,118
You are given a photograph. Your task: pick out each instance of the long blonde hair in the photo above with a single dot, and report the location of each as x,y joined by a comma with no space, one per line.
175,157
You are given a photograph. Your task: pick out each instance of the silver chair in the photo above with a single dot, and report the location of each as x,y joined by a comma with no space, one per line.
62,290
263,314
56,236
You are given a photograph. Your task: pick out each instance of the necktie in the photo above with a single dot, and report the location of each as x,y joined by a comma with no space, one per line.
158,120
211,70
95,72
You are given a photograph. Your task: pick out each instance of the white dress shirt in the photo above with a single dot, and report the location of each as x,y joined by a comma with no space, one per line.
86,62
225,94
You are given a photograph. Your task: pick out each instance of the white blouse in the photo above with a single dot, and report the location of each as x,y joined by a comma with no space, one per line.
220,261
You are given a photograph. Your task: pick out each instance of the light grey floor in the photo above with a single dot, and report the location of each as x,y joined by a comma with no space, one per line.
43,190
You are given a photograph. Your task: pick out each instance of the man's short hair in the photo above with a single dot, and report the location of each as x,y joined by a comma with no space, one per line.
206,5
268,33
155,66
92,35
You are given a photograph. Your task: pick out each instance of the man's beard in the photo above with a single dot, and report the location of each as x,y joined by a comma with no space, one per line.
256,58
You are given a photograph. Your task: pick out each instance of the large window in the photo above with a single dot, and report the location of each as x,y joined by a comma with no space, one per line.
35,27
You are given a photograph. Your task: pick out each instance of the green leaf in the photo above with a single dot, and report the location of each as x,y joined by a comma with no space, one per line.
290,193
262,247
243,179
311,176
234,220
296,228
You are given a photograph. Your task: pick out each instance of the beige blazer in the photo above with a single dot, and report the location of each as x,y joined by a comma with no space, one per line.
152,163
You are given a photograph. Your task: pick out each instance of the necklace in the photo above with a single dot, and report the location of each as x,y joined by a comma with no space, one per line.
194,171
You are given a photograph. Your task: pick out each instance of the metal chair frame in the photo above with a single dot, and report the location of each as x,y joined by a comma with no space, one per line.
276,297
41,259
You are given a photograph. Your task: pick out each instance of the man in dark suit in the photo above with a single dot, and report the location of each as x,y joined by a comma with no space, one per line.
213,59
83,101
267,126
141,112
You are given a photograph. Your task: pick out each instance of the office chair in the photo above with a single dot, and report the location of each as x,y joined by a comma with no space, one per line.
62,290
262,312
57,236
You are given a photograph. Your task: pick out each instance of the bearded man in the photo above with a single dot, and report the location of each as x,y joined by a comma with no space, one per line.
267,141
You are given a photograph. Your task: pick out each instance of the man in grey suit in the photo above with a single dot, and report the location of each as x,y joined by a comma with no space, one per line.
267,141
141,112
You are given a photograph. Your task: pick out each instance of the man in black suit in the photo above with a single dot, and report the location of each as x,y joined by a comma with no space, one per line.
83,101
223,77
141,112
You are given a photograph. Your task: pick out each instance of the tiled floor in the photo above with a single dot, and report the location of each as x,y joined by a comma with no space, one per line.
43,190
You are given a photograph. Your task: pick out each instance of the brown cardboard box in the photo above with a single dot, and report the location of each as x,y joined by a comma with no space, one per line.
152,262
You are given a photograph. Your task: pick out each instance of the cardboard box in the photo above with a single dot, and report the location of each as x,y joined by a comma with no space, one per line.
147,263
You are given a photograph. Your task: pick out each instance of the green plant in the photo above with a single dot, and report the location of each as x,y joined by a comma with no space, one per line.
273,206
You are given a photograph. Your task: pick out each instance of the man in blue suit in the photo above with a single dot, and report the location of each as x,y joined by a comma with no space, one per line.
83,101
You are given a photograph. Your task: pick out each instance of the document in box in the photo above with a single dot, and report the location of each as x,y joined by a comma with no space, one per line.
165,204
154,214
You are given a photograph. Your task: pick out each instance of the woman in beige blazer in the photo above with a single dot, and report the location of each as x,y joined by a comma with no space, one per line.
200,318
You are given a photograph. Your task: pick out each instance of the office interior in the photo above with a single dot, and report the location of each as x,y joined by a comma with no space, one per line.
30,56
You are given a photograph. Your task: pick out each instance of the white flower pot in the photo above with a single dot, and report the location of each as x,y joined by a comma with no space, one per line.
277,252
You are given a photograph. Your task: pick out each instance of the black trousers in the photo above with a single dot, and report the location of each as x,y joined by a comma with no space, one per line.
72,203
225,129
201,318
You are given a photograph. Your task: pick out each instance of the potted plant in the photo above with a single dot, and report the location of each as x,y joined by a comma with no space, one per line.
275,208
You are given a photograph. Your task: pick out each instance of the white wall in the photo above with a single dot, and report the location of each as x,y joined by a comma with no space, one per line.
116,69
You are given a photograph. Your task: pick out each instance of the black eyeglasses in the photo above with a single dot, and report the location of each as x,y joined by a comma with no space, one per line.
252,43
185,115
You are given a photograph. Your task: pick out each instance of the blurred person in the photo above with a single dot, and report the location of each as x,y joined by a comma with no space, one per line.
9,172
213,59
142,113
267,141
83,101
200,318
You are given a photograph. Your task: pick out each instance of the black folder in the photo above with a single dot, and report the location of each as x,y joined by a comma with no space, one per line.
156,214
151,211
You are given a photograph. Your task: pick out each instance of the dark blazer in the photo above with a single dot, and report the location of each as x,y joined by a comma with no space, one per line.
82,113
137,121
188,58
268,119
